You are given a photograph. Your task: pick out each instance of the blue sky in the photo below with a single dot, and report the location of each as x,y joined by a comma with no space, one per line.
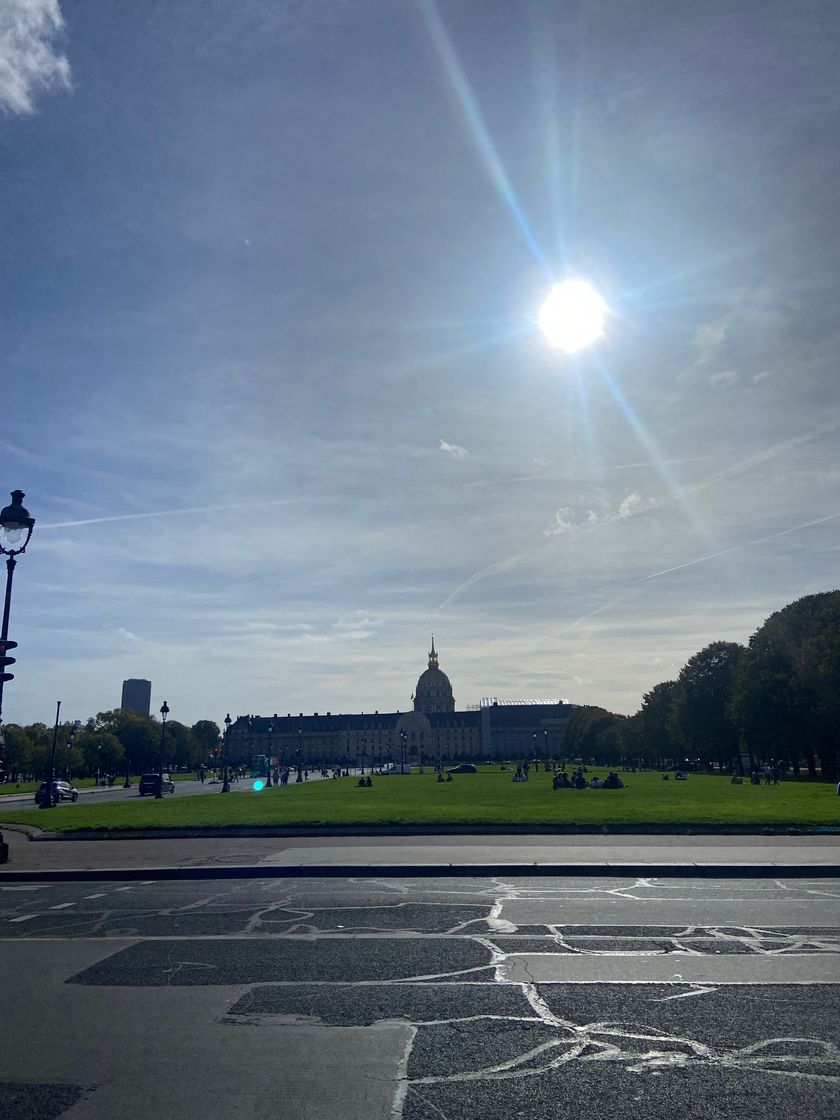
271,378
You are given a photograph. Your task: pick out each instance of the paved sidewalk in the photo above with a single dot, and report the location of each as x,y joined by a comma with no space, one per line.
479,855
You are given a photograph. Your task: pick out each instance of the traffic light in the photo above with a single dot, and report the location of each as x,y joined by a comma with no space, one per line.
4,660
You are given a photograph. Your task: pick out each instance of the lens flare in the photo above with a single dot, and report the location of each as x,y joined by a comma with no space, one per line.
258,785
572,316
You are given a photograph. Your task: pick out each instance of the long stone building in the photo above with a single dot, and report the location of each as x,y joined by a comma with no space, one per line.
432,732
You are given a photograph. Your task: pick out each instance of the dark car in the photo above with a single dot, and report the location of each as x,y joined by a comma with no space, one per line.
464,768
149,784
62,791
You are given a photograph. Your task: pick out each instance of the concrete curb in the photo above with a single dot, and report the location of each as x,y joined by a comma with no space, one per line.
434,870
267,831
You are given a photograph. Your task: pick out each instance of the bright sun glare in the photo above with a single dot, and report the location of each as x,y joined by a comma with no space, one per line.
572,316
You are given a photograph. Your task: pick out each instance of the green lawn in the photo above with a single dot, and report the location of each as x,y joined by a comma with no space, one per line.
489,797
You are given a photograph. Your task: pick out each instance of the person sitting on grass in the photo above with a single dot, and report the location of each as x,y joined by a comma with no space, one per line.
736,780
596,783
613,781
449,777
440,776
579,782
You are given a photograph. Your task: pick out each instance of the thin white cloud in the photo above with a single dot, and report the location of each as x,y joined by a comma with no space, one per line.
737,547
634,503
709,338
568,520
170,513
29,63
454,450
724,379
657,463
129,634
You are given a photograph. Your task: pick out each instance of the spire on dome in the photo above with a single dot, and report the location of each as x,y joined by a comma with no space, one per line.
433,657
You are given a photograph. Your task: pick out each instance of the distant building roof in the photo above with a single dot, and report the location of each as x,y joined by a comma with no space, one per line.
491,701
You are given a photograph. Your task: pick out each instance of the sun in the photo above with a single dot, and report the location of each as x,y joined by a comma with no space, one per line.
572,316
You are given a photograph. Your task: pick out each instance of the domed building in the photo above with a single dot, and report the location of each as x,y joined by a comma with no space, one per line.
432,734
433,692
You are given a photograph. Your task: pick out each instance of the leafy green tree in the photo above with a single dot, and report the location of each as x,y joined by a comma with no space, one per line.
139,735
701,700
788,692
587,734
40,737
180,748
18,756
100,752
658,742
207,735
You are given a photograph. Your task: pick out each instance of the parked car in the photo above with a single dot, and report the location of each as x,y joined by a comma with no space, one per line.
149,784
62,791
464,768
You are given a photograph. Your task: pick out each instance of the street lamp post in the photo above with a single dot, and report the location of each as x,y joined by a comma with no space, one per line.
402,752
226,782
74,727
15,521
164,712
47,799
268,767
299,777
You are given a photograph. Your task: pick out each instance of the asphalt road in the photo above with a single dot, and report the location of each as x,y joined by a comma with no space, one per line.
99,795
421,999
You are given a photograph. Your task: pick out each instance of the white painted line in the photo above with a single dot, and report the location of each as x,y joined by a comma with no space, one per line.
62,905
23,918
100,895
121,889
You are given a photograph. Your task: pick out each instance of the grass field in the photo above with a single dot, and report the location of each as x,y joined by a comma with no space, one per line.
486,798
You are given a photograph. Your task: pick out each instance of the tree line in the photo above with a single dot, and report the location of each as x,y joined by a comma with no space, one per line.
112,742
775,700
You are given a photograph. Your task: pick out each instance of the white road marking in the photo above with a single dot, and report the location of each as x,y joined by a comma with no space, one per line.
23,918
100,895
62,905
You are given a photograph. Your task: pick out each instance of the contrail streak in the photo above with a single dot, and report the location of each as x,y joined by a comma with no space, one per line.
736,547
168,513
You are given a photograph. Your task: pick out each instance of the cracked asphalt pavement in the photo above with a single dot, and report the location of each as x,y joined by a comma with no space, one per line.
420,999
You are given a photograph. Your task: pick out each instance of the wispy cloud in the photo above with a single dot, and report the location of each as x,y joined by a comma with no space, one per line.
169,513
723,379
600,512
738,547
707,341
454,450
29,62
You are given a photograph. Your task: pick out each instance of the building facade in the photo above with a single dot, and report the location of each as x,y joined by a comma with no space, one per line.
432,733
136,696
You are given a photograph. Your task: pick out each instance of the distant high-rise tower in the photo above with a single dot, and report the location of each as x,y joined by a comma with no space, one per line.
136,696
